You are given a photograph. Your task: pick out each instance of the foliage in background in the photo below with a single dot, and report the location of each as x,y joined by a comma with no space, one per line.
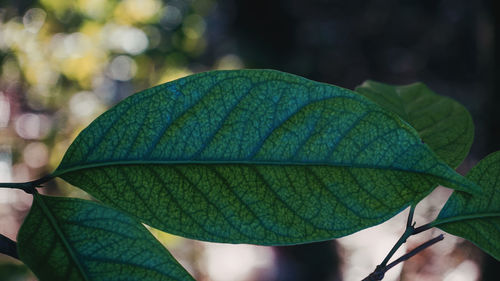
64,62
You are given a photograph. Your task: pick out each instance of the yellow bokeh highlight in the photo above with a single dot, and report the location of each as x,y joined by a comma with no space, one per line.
194,46
130,12
96,9
145,67
39,73
173,73
228,62
59,7
92,30
194,26
83,68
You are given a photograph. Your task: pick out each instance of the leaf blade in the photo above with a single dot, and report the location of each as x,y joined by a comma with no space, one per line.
443,124
73,239
253,132
477,217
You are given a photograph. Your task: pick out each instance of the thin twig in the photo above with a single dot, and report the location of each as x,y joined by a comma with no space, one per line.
380,271
408,232
409,222
8,247
422,228
28,187
415,251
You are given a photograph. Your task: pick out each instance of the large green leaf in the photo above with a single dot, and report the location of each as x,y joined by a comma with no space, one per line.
254,156
70,239
477,217
442,123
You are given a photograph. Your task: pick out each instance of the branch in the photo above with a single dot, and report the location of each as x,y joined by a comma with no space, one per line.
409,222
8,247
380,271
408,232
415,251
28,187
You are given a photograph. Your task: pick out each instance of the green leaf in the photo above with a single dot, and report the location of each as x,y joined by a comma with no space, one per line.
442,123
254,156
477,217
72,239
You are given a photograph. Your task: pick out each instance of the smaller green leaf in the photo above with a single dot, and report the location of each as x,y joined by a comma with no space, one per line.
443,124
72,239
477,217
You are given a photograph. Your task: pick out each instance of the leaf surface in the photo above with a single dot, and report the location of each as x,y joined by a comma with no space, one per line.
477,217
254,156
442,123
70,239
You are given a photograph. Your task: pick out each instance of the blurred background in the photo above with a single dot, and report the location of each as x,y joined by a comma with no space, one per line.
62,63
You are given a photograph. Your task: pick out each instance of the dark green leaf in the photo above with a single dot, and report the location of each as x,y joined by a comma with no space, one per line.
442,123
477,217
72,239
254,156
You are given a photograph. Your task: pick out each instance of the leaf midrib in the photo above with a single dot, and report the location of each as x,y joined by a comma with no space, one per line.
60,173
75,168
55,226
459,218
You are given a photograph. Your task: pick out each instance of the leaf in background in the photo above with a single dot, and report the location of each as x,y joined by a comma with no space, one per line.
477,217
254,156
442,123
72,239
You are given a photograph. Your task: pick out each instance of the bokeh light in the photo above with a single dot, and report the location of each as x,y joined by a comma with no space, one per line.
65,62
227,262
4,110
